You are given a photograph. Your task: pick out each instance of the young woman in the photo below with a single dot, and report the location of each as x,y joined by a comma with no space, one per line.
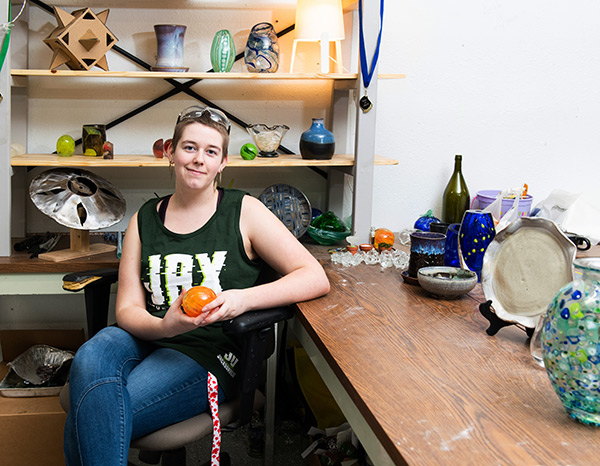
151,370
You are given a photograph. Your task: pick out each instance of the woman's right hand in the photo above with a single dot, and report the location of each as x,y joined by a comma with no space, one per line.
175,322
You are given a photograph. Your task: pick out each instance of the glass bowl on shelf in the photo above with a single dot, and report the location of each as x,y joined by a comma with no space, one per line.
328,229
267,138
326,237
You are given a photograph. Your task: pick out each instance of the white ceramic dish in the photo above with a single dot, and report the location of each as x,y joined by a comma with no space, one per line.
523,268
446,282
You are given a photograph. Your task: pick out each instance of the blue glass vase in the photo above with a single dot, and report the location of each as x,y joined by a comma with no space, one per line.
317,142
261,54
570,339
451,247
476,233
222,52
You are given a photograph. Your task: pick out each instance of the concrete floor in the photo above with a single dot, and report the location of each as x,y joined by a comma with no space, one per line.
290,442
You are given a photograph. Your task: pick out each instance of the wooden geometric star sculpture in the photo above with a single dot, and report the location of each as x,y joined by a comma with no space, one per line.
81,39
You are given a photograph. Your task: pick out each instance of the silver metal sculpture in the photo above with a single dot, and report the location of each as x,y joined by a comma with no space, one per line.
77,198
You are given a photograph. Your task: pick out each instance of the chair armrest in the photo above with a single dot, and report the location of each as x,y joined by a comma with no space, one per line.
257,320
77,281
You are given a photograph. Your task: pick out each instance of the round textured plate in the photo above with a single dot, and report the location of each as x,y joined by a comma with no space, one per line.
290,205
524,267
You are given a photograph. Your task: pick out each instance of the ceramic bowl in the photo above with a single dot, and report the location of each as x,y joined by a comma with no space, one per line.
446,282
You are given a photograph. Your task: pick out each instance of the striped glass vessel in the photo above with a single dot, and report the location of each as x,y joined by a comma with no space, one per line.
222,52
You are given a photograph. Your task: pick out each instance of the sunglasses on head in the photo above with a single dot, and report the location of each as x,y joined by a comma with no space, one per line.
196,111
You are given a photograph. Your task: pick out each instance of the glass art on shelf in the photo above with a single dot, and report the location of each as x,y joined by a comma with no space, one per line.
267,138
93,138
328,229
261,54
65,146
222,52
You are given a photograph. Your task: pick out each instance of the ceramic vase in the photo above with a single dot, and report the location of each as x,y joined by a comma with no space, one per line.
169,47
317,142
222,52
261,54
476,233
570,338
426,250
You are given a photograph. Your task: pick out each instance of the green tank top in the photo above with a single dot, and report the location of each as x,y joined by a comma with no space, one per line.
212,256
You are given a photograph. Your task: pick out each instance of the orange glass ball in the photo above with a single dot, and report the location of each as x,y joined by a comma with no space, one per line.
384,239
195,299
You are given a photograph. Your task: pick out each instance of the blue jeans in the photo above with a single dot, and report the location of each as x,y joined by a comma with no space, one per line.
122,388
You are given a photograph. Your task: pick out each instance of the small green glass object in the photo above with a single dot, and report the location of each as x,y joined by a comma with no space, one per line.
456,196
222,52
65,146
249,151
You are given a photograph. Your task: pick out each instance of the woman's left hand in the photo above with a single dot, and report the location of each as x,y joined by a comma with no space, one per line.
225,306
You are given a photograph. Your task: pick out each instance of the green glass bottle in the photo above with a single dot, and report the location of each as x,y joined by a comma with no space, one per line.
456,195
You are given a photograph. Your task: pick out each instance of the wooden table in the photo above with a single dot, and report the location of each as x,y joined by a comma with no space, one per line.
422,383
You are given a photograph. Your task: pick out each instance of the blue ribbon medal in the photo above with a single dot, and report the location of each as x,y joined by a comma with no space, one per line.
365,103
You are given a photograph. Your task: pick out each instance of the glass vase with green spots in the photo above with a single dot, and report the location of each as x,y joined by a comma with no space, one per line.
571,343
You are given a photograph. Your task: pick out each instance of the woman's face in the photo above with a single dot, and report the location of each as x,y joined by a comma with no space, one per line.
198,157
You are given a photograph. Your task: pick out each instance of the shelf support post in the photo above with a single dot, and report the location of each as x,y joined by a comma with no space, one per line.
5,138
364,146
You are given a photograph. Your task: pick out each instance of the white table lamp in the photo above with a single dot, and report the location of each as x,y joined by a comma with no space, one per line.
320,21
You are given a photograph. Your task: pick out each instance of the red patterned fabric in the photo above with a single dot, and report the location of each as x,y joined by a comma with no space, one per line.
213,402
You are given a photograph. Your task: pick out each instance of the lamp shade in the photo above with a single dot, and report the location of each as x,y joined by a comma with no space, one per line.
315,17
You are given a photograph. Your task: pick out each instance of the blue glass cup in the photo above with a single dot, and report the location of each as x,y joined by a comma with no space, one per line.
426,250
451,248
476,233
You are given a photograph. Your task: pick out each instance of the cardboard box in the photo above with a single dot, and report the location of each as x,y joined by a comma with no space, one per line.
31,429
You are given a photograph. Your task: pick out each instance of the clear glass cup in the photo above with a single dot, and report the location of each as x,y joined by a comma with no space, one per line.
535,344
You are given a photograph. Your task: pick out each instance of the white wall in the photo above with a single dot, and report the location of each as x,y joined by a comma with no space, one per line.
512,85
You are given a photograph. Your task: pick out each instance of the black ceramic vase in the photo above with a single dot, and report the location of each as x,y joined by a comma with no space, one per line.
317,142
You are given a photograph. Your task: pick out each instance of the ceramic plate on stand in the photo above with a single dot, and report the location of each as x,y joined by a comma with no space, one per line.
524,267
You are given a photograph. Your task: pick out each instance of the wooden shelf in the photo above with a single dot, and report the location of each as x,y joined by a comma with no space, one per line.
295,160
195,75
347,5
20,262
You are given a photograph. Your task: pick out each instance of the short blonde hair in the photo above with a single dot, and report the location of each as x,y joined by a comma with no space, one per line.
205,120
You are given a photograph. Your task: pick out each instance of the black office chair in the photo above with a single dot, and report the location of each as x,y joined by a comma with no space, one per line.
257,333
